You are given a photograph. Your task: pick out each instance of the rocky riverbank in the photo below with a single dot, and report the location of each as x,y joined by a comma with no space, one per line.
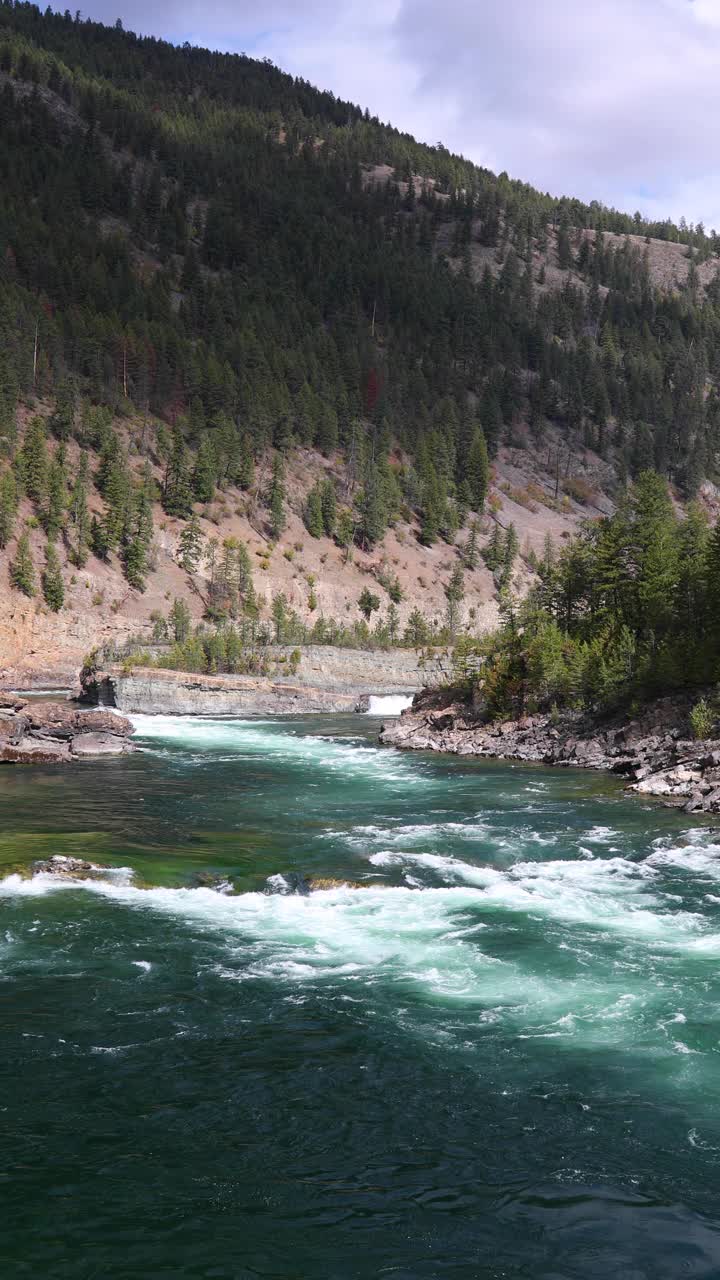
653,751
36,732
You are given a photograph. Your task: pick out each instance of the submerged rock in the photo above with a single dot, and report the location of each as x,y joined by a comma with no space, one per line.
69,868
210,880
294,882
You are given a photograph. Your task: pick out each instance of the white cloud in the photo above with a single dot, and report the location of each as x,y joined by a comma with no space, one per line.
612,99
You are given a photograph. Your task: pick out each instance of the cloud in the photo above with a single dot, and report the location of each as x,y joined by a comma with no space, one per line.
611,100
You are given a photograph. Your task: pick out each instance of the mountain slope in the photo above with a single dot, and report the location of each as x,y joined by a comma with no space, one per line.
205,264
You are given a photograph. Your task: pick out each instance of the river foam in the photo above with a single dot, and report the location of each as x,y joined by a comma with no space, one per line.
429,935
388,704
253,739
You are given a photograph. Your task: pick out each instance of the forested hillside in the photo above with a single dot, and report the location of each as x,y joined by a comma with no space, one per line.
247,327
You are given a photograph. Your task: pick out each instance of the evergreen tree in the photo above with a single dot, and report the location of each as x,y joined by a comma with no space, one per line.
372,513
56,499
8,506
493,553
329,506
190,548
510,551
79,515
416,631
33,461
470,550
62,422
313,514
180,621
276,501
22,569
454,594
477,471
177,493
246,464
204,474
345,530
246,589
52,581
368,603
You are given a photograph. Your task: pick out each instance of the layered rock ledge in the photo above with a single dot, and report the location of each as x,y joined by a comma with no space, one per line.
40,732
326,679
653,751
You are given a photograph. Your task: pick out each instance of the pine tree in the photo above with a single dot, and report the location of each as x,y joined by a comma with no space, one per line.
329,507
33,461
180,621
138,533
79,515
454,594
22,569
56,499
205,472
100,538
177,494
492,554
62,421
246,590
190,549
416,631
368,603
477,471
313,514
509,553
233,650
276,501
372,513
345,530
279,616
470,550
52,581
8,506
246,464
118,497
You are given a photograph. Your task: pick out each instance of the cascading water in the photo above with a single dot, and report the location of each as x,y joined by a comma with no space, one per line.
388,704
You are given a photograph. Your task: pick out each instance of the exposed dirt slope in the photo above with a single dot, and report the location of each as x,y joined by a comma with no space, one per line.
100,607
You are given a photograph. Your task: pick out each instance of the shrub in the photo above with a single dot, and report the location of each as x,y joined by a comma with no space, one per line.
702,719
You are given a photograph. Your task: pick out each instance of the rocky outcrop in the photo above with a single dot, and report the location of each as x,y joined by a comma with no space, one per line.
58,733
326,679
653,751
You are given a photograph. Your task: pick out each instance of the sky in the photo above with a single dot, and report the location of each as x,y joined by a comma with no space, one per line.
614,100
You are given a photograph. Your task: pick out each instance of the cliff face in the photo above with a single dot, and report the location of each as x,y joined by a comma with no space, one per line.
327,680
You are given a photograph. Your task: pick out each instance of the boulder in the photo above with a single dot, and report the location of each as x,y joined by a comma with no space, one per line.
99,744
101,721
34,751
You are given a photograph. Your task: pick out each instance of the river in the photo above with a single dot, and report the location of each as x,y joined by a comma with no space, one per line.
499,1059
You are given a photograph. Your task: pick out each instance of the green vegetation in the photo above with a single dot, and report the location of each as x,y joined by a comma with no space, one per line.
629,609
209,277
22,569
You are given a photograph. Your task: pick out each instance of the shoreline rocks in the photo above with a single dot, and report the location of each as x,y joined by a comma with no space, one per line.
40,732
653,751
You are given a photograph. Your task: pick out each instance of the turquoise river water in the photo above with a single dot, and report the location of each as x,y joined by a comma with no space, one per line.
499,1058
